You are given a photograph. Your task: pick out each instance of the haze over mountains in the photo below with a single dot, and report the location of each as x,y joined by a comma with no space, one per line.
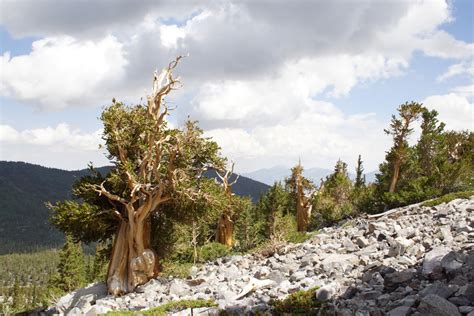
279,173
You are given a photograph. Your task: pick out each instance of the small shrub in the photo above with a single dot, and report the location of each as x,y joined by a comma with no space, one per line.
164,309
449,197
302,302
213,251
176,269
299,237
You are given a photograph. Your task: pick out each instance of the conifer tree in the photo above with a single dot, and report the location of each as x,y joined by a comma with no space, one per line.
71,269
16,295
360,177
400,129
156,171
333,201
225,225
299,188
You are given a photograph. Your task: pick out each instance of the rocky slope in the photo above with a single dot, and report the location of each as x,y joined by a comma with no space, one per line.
416,261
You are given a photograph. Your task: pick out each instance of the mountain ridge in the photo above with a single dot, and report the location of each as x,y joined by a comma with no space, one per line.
24,189
278,173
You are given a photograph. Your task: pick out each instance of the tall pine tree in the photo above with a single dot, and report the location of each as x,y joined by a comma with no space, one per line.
71,268
360,177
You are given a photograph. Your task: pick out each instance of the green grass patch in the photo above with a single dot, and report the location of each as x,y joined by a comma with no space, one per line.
302,302
300,237
164,309
176,269
212,251
449,197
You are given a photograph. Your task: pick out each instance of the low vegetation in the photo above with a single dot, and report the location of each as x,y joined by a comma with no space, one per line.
164,309
449,197
302,302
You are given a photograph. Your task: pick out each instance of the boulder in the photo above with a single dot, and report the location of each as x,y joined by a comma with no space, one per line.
439,289
396,279
399,311
434,305
432,268
399,245
178,288
339,262
362,242
97,310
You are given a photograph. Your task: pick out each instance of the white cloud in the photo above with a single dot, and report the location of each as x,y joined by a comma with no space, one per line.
63,71
465,91
81,18
455,110
275,121
226,40
59,138
443,45
170,34
465,67
57,147
255,73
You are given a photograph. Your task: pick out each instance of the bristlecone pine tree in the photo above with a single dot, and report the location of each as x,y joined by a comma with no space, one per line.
299,187
400,129
156,170
225,225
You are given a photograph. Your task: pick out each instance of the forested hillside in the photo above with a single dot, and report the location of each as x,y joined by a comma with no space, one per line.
24,189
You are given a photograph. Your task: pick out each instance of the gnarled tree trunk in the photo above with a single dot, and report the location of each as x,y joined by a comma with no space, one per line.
225,230
132,262
396,175
225,225
303,207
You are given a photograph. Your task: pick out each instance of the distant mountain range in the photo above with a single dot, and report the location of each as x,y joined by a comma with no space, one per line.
24,189
279,173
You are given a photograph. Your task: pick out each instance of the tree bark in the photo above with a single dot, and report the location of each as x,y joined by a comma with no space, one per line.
302,216
225,230
225,225
303,211
396,175
132,263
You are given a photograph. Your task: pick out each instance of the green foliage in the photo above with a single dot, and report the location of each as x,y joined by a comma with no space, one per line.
212,251
276,203
175,268
299,237
302,302
334,200
449,197
439,163
167,308
360,177
24,279
71,269
291,187
250,226
99,263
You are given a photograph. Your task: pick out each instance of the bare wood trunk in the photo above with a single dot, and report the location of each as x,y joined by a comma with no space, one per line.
194,242
302,216
225,230
302,209
131,264
396,175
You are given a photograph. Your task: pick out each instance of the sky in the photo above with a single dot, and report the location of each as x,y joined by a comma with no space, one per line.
271,81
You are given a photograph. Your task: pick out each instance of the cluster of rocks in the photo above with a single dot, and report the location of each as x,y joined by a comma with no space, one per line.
415,261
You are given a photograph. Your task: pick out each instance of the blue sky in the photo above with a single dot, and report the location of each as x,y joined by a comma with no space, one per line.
268,91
